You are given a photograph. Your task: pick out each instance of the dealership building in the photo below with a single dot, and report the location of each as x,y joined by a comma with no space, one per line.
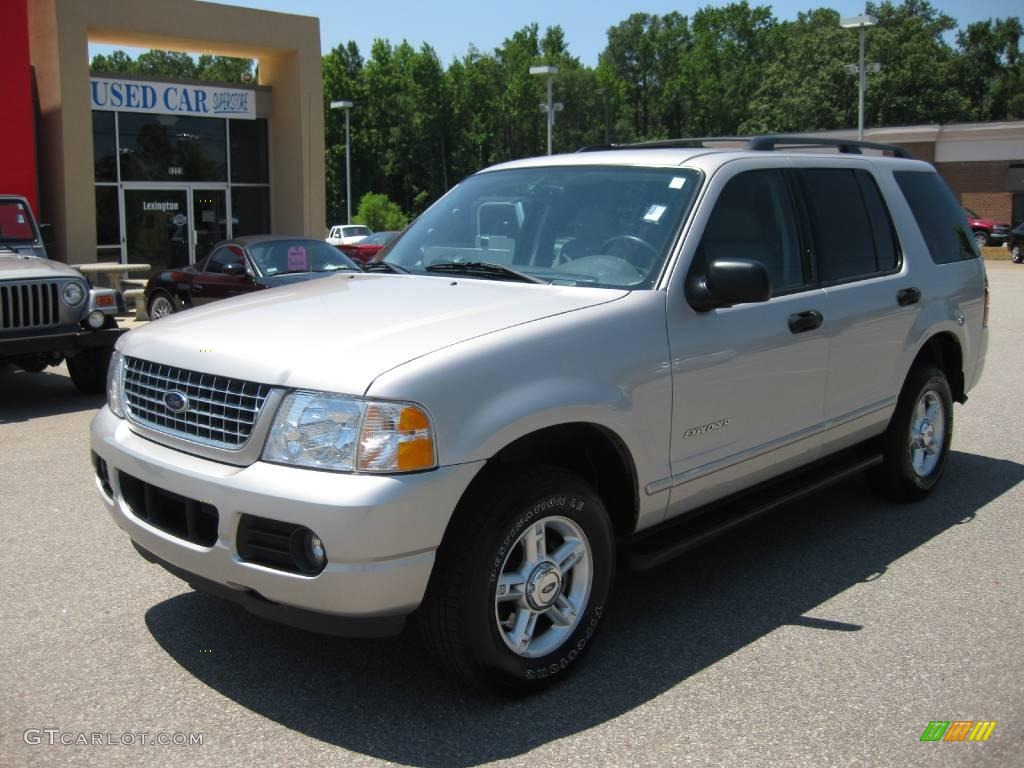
155,171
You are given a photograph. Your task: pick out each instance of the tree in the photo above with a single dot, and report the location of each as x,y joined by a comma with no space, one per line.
174,64
379,213
990,70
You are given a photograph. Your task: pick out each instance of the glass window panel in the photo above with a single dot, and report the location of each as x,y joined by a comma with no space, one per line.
250,210
104,146
842,230
939,217
108,217
249,152
172,148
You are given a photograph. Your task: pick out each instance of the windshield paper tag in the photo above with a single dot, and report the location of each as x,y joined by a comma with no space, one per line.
654,213
297,261
677,182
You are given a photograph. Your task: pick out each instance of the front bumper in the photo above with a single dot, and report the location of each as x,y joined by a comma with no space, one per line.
380,532
61,342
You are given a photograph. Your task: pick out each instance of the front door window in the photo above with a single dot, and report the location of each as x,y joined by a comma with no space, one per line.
157,227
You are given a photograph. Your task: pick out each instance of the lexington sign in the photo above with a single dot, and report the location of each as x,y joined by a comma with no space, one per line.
172,98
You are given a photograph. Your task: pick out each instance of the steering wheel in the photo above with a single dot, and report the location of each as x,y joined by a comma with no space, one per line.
631,239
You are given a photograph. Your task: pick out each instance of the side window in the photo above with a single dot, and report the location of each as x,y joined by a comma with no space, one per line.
753,219
843,234
882,230
222,257
939,217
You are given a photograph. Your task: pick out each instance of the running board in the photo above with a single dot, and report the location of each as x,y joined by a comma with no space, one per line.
654,546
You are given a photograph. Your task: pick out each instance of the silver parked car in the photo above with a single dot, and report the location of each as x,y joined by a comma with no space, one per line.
563,361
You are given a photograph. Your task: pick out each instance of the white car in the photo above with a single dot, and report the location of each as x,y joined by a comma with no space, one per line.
347,234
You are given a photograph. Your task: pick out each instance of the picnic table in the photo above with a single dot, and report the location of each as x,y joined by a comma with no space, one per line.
112,272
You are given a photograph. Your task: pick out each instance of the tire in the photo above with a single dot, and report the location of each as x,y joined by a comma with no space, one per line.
509,611
88,370
160,305
981,238
34,365
916,443
1015,254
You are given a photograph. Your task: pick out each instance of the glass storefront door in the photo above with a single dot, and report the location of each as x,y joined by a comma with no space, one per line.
209,217
157,231
170,227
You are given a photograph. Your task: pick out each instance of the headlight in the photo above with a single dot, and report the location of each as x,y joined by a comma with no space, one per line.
72,293
115,384
350,434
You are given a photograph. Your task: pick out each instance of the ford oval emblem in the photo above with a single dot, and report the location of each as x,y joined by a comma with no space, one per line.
176,401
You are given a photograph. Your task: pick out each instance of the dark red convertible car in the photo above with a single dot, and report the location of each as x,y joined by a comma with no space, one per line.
239,266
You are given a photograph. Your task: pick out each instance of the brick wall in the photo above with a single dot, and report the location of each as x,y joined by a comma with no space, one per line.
979,185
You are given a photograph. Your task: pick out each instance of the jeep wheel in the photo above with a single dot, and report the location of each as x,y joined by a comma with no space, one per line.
521,580
981,238
161,305
916,443
88,369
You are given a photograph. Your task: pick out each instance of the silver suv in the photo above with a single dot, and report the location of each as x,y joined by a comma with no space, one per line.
564,363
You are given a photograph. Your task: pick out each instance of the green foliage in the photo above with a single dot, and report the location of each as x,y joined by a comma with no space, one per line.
379,213
180,66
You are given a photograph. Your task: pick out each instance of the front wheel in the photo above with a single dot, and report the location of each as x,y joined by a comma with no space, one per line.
161,305
521,581
88,369
916,443
1016,255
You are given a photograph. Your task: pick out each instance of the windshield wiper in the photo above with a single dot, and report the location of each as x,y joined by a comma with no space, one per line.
483,269
385,266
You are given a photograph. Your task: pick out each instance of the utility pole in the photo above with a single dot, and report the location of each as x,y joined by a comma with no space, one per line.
550,107
860,23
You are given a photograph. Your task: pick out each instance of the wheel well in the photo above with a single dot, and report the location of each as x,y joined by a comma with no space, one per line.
594,453
943,350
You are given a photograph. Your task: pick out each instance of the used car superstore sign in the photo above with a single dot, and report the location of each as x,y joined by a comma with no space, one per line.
171,98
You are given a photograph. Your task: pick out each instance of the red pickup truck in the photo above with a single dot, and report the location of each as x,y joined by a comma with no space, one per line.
987,231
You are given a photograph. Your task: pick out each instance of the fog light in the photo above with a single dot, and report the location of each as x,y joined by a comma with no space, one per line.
307,550
95,319
314,548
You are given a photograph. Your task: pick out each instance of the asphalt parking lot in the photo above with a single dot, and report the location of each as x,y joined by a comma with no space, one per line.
830,633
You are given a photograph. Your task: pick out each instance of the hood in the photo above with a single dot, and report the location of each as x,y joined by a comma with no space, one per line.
23,266
340,333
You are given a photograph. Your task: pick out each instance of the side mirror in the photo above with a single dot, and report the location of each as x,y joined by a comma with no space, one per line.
235,270
729,281
46,231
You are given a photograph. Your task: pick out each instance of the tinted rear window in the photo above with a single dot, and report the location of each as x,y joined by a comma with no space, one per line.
939,217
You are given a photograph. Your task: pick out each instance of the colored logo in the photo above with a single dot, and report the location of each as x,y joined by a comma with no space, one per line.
176,401
958,730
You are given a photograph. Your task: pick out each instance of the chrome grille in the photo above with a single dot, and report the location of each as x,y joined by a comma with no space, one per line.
221,411
29,305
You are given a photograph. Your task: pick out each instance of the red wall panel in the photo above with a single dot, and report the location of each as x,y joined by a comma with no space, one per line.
17,127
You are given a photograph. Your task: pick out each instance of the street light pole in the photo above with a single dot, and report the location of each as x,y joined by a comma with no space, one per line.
550,107
860,23
607,117
347,106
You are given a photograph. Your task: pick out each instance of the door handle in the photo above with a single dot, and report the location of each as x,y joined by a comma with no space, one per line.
805,321
908,296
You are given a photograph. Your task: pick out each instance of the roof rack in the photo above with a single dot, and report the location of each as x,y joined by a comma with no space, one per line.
760,144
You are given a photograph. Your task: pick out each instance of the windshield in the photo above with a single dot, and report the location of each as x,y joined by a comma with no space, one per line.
578,225
278,257
15,222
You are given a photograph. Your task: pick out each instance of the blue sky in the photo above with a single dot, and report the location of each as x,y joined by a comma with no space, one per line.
451,26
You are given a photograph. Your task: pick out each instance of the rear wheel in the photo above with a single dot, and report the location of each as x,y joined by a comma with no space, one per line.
1015,254
161,305
916,443
981,238
88,369
521,580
